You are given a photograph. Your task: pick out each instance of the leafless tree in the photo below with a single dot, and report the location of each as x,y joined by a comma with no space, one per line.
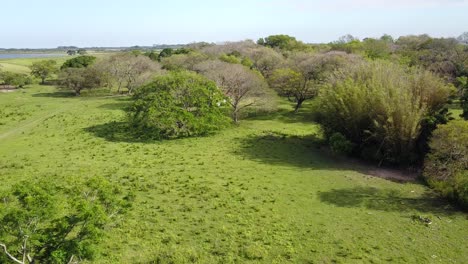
305,73
243,86
128,70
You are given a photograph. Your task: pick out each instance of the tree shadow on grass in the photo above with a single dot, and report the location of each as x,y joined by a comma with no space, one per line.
118,132
281,149
58,94
312,152
285,115
386,200
121,104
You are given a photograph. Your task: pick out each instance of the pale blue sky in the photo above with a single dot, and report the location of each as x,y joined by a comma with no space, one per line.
51,23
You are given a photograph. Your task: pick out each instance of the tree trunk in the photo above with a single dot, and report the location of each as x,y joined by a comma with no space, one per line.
298,105
43,80
235,114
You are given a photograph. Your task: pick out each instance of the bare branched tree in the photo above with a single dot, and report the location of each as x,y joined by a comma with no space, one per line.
243,86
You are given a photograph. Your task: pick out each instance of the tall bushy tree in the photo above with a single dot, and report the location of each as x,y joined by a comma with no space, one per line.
180,104
382,108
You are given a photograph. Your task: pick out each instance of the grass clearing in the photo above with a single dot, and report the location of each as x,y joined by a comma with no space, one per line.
262,192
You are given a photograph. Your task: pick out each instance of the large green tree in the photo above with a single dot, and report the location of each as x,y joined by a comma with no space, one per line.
43,69
180,104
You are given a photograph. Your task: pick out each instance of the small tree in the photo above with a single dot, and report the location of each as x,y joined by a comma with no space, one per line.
43,69
78,79
305,74
241,85
180,104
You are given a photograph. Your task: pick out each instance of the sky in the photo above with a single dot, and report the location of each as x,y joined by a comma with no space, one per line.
113,23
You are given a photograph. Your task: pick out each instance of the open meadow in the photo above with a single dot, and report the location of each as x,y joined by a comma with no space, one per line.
260,192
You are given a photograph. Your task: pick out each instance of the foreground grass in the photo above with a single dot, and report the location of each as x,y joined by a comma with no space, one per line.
262,192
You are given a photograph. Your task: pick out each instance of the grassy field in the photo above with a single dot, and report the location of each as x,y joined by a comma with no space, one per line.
262,192
21,65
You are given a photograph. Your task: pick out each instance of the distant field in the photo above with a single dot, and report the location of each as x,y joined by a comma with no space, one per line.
21,65
262,192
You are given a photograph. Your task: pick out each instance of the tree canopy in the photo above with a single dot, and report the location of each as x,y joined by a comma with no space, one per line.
179,104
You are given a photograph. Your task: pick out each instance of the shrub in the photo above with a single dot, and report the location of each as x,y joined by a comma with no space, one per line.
385,105
180,104
339,144
446,166
14,79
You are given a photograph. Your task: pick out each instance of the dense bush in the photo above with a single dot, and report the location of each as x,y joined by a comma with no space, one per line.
383,108
79,62
446,166
14,79
179,104
339,144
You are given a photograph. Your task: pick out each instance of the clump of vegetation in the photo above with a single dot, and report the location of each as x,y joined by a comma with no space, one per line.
180,104
14,79
383,109
79,62
446,166
339,144
44,222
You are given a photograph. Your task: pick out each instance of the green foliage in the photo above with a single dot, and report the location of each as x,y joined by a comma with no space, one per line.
463,89
247,62
262,189
384,105
446,166
181,104
339,144
283,42
58,221
377,49
152,55
168,52
82,51
230,59
14,79
43,69
79,62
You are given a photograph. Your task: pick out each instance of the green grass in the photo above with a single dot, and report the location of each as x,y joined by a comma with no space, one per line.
262,192
21,65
